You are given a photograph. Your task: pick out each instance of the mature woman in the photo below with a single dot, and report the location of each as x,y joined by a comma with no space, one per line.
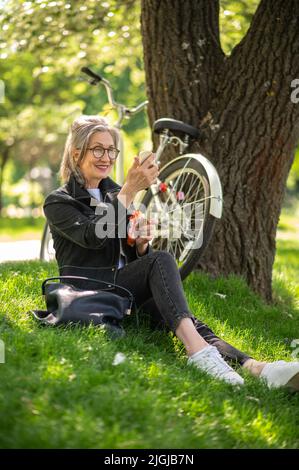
84,248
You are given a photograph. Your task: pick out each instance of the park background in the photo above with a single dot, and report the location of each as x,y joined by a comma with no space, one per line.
65,381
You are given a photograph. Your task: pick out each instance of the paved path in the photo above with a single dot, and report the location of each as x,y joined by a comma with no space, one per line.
29,249
19,250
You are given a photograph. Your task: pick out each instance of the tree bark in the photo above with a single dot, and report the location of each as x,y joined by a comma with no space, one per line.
241,103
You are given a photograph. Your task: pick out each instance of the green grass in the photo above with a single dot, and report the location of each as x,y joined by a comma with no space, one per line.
26,228
59,389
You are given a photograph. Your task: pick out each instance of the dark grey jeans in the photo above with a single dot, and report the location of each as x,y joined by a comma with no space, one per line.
155,282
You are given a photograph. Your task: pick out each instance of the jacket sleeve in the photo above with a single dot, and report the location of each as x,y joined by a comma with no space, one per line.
148,251
84,230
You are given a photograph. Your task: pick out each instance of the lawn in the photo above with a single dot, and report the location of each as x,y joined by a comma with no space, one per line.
26,228
59,388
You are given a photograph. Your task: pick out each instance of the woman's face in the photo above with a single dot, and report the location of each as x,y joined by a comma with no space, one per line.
95,169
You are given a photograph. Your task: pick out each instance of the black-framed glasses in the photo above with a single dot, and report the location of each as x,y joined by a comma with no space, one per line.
99,151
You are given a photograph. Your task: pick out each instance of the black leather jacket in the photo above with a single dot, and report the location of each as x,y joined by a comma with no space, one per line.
72,221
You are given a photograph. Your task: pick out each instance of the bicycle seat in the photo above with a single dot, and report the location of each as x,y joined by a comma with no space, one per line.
174,125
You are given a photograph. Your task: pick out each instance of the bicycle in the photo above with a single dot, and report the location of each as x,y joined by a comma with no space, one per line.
187,184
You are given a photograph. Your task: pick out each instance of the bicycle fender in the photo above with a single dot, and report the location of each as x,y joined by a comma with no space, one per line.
214,181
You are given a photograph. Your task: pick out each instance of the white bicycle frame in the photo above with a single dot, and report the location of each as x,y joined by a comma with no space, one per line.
214,180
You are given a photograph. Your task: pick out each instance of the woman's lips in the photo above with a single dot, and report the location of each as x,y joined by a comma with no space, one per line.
102,167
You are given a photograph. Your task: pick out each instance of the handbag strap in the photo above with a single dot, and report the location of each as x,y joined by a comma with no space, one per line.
86,279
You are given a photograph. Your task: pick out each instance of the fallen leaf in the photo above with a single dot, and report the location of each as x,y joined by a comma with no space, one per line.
118,359
222,296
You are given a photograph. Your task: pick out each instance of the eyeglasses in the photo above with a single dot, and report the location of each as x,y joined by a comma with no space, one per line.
99,152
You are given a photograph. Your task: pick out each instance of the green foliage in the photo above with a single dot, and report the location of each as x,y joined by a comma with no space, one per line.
293,180
44,44
43,47
235,19
106,37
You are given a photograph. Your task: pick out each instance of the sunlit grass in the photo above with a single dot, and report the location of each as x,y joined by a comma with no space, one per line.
59,388
26,228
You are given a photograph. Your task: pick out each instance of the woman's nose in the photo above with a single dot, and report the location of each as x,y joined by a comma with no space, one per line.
105,159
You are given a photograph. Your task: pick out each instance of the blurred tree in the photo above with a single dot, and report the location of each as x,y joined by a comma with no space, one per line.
43,45
242,105
62,36
28,128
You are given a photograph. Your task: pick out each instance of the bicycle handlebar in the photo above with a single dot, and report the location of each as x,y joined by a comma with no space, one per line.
96,78
122,110
137,108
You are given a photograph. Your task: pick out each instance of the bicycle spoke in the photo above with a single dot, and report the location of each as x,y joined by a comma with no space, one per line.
177,246
177,181
182,247
191,188
186,250
189,203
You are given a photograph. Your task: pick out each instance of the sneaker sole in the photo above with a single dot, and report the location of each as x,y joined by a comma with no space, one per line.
293,384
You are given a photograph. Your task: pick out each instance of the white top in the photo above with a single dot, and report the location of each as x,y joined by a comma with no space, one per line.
96,193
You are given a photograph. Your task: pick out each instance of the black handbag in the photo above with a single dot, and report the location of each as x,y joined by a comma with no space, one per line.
69,304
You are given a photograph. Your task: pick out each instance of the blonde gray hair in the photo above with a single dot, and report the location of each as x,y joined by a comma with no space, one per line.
78,138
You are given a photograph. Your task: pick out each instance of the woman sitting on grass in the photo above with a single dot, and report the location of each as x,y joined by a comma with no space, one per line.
83,248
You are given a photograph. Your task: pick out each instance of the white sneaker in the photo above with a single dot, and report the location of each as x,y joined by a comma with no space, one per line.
281,374
210,360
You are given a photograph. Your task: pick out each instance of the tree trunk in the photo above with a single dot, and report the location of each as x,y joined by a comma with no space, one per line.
241,104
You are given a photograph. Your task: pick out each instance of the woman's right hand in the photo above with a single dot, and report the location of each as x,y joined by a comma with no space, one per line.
139,177
142,176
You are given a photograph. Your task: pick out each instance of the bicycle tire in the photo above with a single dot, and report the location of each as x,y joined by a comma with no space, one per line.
166,174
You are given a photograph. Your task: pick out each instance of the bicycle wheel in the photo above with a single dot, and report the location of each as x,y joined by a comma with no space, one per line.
47,252
188,200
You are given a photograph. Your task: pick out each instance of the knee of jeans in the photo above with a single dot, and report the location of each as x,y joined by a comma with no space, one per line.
163,256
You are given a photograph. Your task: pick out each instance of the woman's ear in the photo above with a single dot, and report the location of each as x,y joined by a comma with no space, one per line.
76,154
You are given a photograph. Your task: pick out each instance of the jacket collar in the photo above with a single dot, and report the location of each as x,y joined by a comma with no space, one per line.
107,187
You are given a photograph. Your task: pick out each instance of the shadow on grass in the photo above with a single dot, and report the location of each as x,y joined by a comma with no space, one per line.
229,304
62,390
67,393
